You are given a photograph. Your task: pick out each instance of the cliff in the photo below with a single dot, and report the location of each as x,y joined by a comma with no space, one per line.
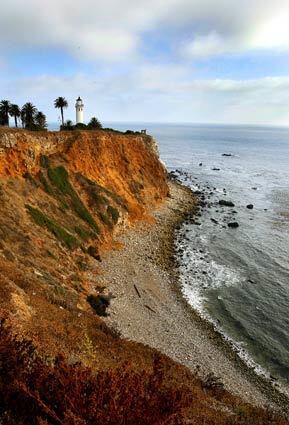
125,164
64,199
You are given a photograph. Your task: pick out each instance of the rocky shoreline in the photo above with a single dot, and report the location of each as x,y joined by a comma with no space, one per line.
148,306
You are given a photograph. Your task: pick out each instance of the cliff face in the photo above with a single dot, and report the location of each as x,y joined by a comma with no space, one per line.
125,164
64,197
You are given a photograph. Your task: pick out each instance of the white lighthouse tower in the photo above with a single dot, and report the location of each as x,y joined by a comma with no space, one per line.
79,111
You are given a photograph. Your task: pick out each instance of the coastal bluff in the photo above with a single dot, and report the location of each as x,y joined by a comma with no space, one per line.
126,164
84,215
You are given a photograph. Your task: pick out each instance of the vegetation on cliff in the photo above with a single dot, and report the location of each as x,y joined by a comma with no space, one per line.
35,390
31,118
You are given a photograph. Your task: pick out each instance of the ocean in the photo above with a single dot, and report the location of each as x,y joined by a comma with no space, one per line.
238,278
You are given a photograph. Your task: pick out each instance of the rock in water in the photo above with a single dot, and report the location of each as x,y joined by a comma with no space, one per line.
251,281
233,225
250,206
226,203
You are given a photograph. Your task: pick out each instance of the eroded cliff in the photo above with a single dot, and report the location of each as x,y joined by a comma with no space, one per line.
64,198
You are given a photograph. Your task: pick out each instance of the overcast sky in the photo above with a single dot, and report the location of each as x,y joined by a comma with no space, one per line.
199,61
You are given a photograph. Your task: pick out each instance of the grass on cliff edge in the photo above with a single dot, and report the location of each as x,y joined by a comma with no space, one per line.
60,179
59,232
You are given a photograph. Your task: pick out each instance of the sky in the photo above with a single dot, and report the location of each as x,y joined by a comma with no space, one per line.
186,61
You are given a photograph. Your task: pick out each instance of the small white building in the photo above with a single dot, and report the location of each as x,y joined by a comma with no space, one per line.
79,111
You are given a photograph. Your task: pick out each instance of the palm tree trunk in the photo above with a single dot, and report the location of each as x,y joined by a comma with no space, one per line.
15,118
62,116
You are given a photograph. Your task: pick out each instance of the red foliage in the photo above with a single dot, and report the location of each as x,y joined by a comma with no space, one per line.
34,392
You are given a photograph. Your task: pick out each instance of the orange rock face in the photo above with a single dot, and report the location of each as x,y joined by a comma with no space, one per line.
64,197
126,164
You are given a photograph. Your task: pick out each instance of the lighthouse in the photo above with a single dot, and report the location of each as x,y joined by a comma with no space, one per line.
79,111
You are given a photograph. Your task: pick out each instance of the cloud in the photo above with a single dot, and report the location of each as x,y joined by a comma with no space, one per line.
231,27
116,29
208,45
172,95
123,37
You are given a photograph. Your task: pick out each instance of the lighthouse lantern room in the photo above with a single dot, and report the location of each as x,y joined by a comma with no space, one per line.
79,110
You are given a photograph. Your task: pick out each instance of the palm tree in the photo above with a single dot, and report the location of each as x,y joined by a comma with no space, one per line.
61,103
2,118
40,120
94,123
22,117
28,113
68,125
14,111
4,110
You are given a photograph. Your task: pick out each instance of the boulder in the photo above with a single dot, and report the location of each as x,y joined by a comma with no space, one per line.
225,203
250,206
251,281
93,252
233,225
99,303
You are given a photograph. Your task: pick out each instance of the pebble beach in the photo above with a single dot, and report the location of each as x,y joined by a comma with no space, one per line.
148,306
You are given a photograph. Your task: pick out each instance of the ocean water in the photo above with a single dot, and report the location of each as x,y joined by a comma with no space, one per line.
236,278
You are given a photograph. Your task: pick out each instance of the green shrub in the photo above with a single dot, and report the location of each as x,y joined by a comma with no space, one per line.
44,161
48,189
84,214
97,192
80,126
63,206
59,232
60,179
98,199
94,124
113,213
68,125
83,233
104,218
